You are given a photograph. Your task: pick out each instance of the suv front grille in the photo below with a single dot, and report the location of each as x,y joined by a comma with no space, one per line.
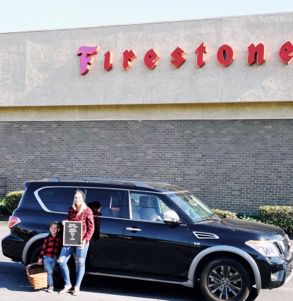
283,246
279,247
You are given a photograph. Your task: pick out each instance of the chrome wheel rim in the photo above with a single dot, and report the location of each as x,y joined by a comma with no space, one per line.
225,282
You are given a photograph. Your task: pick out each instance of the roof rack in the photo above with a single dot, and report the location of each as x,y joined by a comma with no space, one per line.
110,179
94,179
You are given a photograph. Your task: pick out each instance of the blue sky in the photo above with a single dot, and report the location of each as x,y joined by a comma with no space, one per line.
23,15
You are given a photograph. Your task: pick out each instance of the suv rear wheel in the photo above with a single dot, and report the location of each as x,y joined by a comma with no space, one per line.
225,279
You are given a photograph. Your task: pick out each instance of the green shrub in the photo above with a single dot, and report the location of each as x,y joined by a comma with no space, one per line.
3,210
280,216
224,213
250,218
10,201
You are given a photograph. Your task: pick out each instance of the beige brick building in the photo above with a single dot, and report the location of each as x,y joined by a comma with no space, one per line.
219,124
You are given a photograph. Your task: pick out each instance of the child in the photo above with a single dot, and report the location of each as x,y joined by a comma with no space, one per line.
50,252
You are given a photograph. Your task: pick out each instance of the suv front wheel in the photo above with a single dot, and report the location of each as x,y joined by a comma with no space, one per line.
225,279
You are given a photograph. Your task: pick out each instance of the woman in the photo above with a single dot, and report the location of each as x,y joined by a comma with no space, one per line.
78,212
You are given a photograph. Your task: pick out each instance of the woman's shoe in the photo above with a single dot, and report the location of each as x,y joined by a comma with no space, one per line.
76,291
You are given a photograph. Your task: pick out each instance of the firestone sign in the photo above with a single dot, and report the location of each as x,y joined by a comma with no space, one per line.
225,56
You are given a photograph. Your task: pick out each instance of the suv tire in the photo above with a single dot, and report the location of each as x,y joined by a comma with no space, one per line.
225,279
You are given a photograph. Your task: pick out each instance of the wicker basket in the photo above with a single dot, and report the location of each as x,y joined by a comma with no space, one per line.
37,276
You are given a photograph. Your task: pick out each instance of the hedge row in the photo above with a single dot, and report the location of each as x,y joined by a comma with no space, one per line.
280,216
10,202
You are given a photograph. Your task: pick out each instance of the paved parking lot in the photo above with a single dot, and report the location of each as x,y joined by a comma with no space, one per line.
14,287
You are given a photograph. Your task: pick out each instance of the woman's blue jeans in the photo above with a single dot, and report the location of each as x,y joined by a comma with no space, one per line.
80,256
49,265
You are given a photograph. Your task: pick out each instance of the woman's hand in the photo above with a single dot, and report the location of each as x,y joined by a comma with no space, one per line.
83,243
65,220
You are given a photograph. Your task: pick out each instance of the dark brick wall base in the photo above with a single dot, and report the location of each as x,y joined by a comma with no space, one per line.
235,165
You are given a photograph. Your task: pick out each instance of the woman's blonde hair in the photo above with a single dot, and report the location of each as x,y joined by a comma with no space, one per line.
83,204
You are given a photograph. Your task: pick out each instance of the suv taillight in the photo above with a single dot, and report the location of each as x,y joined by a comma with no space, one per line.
13,220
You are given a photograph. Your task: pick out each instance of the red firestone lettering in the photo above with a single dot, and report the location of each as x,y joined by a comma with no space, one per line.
151,59
225,55
128,58
286,52
199,55
178,58
108,65
86,58
256,54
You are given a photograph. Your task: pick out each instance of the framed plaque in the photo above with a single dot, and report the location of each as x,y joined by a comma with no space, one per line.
72,233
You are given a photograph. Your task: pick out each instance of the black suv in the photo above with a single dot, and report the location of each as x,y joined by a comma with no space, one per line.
157,232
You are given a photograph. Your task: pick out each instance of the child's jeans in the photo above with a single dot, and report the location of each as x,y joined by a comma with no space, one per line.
49,264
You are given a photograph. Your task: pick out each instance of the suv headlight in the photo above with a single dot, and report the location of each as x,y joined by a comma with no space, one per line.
265,247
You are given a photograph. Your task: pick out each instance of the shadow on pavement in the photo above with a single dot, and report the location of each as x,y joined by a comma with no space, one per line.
13,277
137,288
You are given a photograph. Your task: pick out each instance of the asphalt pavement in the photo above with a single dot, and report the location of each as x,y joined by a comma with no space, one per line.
15,287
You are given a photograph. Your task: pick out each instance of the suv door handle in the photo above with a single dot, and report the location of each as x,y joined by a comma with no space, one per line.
132,229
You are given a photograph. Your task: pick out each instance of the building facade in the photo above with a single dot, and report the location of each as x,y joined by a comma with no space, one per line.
204,104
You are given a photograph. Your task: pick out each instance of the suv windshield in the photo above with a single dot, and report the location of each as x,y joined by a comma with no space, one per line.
192,206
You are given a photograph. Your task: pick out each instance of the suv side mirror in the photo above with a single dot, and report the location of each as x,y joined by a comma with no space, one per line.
171,217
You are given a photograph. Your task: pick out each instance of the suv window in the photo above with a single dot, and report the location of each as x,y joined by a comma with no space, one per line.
147,207
112,201
57,198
